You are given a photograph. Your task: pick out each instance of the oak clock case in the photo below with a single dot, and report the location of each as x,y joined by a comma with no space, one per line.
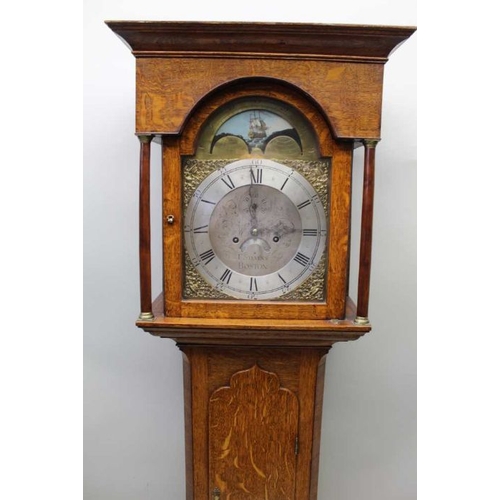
257,124
254,227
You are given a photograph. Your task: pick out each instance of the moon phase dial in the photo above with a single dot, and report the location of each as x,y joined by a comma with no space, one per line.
255,229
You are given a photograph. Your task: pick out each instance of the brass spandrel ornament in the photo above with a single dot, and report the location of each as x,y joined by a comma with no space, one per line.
193,173
313,289
195,287
316,172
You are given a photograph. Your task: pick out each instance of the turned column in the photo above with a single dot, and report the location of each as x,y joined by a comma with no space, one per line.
365,250
145,228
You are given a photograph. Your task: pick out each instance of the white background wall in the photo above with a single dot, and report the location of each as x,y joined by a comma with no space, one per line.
133,420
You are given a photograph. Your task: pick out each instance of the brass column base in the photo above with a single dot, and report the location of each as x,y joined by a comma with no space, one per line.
146,316
360,320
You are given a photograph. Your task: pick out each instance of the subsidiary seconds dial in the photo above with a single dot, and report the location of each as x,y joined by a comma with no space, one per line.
255,229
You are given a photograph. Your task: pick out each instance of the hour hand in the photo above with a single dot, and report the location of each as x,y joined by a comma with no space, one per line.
252,208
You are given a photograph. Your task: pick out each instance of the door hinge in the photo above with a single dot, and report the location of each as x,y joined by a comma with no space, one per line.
296,445
216,494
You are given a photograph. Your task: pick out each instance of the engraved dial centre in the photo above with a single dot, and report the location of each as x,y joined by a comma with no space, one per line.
255,230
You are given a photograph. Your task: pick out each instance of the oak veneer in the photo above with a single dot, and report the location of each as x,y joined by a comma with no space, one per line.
286,380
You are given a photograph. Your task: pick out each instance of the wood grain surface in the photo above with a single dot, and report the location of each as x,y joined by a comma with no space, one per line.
253,428
172,233
340,66
350,94
240,39
235,397
254,331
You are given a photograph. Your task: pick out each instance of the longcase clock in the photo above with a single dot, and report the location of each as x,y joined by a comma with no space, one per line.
257,124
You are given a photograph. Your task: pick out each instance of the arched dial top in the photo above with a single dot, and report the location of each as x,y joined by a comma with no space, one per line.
270,127
255,229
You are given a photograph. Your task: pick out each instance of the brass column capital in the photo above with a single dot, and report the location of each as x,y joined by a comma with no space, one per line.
371,143
145,139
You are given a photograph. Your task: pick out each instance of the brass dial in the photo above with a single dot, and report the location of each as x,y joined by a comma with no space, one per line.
255,229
